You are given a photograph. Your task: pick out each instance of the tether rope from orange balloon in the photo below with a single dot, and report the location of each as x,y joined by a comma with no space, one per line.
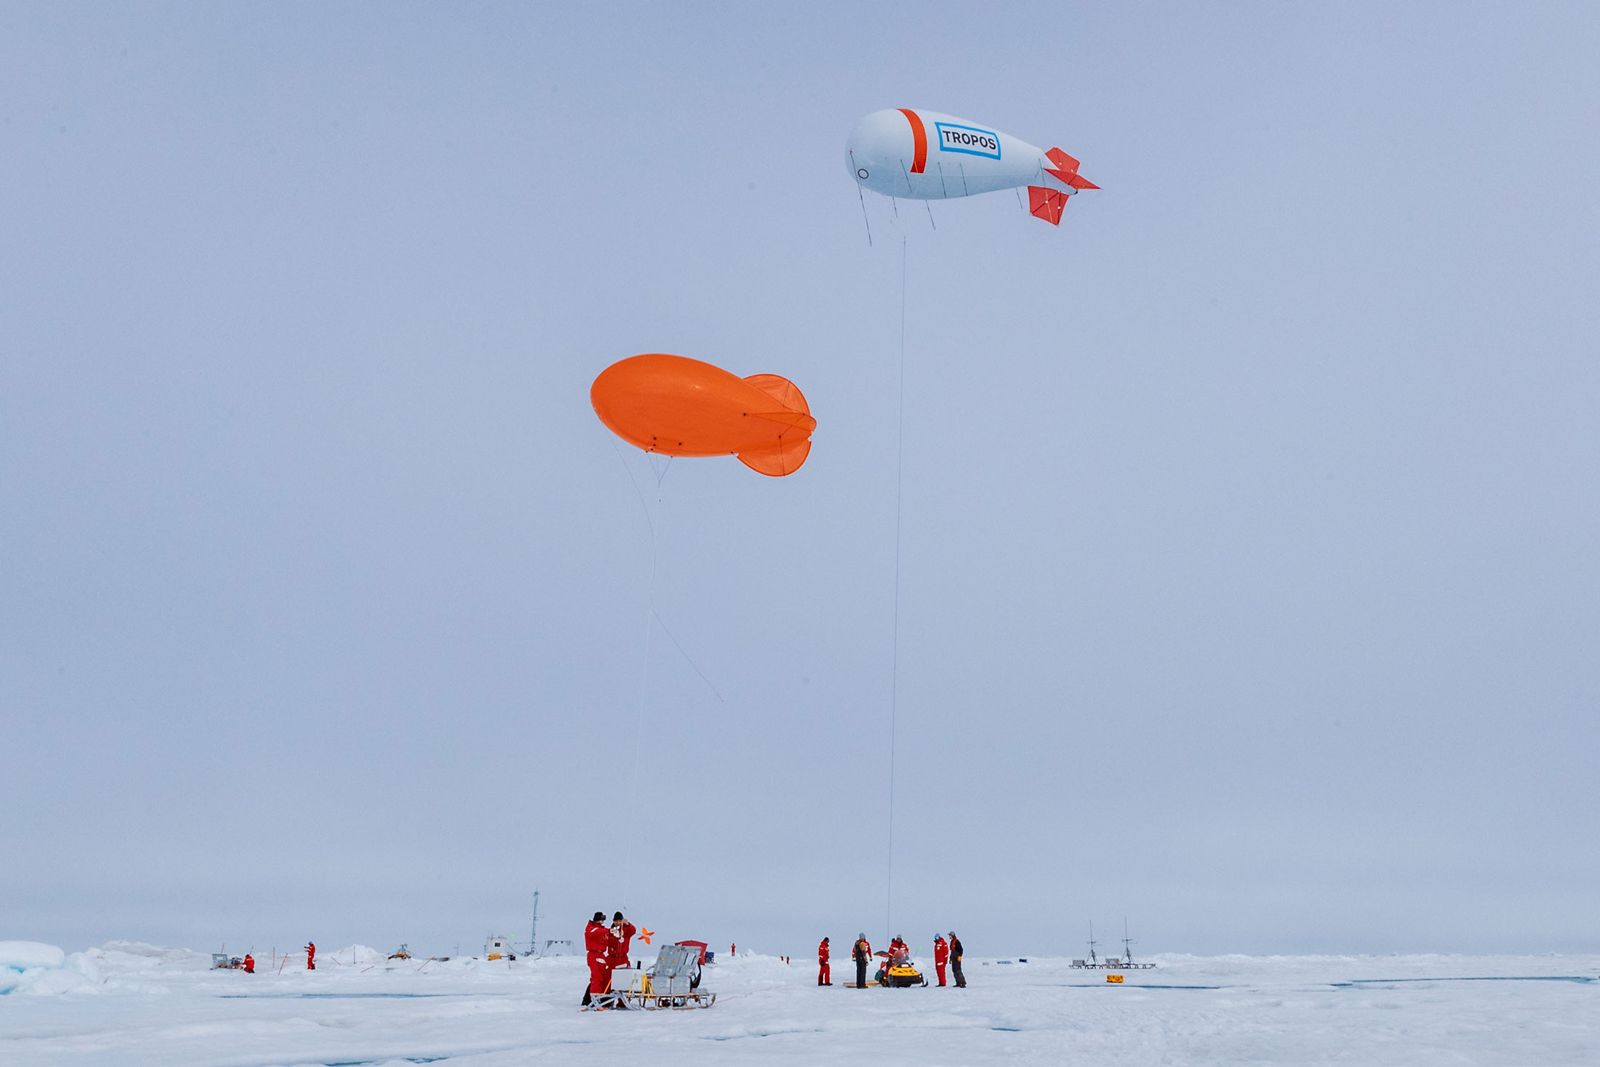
652,619
644,672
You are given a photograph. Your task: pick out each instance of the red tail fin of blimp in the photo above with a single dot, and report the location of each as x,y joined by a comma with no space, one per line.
794,442
1046,203
782,390
777,462
1066,169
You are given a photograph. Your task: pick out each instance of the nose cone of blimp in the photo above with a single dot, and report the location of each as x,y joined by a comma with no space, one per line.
879,150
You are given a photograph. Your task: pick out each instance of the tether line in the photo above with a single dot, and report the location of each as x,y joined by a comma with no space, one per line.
644,672
894,672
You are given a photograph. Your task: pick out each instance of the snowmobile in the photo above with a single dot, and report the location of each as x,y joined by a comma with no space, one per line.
901,975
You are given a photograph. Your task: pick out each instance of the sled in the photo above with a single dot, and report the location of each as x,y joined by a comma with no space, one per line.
671,983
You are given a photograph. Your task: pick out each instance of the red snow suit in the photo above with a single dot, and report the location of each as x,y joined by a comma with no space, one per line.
311,955
597,949
824,974
597,944
249,964
619,955
941,956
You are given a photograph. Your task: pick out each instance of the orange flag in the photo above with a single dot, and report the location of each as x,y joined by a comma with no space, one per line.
645,935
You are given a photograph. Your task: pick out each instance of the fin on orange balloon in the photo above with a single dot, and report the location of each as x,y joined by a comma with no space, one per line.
682,407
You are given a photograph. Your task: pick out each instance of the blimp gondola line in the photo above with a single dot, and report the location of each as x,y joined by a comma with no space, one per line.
863,198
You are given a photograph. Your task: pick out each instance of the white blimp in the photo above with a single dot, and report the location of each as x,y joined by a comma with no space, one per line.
924,155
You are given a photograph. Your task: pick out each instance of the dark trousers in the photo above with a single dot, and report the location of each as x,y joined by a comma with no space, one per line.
861,974
961,982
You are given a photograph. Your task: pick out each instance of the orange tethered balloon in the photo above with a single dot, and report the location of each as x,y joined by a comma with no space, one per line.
682,407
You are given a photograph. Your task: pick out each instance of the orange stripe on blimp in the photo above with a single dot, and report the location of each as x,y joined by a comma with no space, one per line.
919,140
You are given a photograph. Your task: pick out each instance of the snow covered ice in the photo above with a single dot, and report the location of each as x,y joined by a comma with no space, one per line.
132,1005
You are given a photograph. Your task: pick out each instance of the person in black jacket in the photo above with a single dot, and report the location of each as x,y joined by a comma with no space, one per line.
955,960
861,954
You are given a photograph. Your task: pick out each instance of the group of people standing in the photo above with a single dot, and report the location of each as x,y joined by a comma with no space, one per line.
948,952
606,949
944,953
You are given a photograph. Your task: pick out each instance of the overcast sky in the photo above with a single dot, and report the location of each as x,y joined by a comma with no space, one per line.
1248,562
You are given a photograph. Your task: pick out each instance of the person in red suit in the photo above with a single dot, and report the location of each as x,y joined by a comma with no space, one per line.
311,955
623,931
941,955
824,975
249,964
597,942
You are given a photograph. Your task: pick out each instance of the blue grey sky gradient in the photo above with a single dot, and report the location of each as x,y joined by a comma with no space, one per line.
1248,573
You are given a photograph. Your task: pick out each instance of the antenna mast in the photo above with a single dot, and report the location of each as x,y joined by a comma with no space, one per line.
1127,951
533,932
1093,961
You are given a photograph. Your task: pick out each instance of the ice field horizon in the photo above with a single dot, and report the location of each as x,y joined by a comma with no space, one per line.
132,1004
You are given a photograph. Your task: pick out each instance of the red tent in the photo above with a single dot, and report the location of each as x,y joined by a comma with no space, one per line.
701,945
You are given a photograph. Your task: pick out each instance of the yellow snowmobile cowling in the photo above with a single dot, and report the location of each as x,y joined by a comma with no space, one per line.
901,975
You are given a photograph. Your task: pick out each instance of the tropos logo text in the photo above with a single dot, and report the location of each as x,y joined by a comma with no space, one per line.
969,140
